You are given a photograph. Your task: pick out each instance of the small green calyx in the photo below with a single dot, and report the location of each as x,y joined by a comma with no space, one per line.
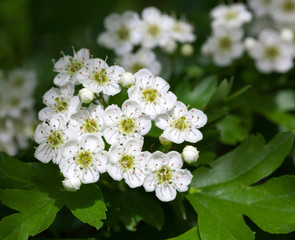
153,30
127,125
55,139
272,52
150,95
123,33
230,15
127,162
288,6
180,124
84,158
164,175
90,126
101,77
225,43
61,105
75,66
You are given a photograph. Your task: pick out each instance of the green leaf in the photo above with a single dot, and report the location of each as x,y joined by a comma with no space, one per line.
220,210
192,234
246,164
221,92
37,212
222,195
87,204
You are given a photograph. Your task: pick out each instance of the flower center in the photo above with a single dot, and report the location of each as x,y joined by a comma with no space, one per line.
177,28
84,158
123,33
18,82
127,125
90,125
127,162
271,52
180,124
230,15
150,95
225,43
75,66
136,67
61,105
55,139
101,77
164,175
288,6
266,2
14,101
153,30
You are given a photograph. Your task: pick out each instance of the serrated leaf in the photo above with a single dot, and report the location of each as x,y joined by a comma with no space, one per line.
246,164
37,212
221,92
191,234
86,204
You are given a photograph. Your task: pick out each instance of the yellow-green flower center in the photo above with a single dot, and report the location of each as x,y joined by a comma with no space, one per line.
55,138
127,162
153,30
14,101
90,125
75,66
164,175
136,67
225,43
18,82
123,33
177,28
61,105
288,6
84,158
271,52
180,124
101,77
231,14
150,95
127,125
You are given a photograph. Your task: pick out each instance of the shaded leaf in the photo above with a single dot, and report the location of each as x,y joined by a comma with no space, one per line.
192,234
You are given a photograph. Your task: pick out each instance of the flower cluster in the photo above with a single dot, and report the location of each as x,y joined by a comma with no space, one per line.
75,128
17,116
153,29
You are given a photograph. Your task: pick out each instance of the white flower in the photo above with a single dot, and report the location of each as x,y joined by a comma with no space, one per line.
271,53
183,31
152,93
166,175
143,58
98,77
84,159
125,124
7,143
52,138
68,67
128,162
224,45
127,80
85,95
190,154
122,32
287,35
232,16
260,7
72,184
22,81
283,11
59,100
89,121
155,28
181,125
187,50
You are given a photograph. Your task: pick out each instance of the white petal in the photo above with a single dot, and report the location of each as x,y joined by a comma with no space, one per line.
62,79
50,96
149,183
92,143
58,121
114,172
173,135
133,180
197,118
43,153
102,159
41,133
131,108
133,147
174,160
156,161
144,124
115,153
45,114
162,121
193,136
183,179
165,193
89,176
112,115
111,135
70,149
179,109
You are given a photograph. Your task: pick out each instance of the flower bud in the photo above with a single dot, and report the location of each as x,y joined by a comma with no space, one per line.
187,50
190,154
170,47
287,35
71,184
164,141
85,95
249,43
127,80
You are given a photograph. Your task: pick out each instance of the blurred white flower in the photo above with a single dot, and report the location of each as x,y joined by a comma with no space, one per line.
183,31
283,11
260,7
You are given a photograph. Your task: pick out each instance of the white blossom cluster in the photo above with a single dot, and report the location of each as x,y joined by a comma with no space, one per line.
76,127
153,29
273,49
17,116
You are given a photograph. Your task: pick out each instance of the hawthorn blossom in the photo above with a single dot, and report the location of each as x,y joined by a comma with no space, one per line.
181,125
165,175
68,67
84,159
130,122
152,93
128,162
283,11
183,31
261,7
